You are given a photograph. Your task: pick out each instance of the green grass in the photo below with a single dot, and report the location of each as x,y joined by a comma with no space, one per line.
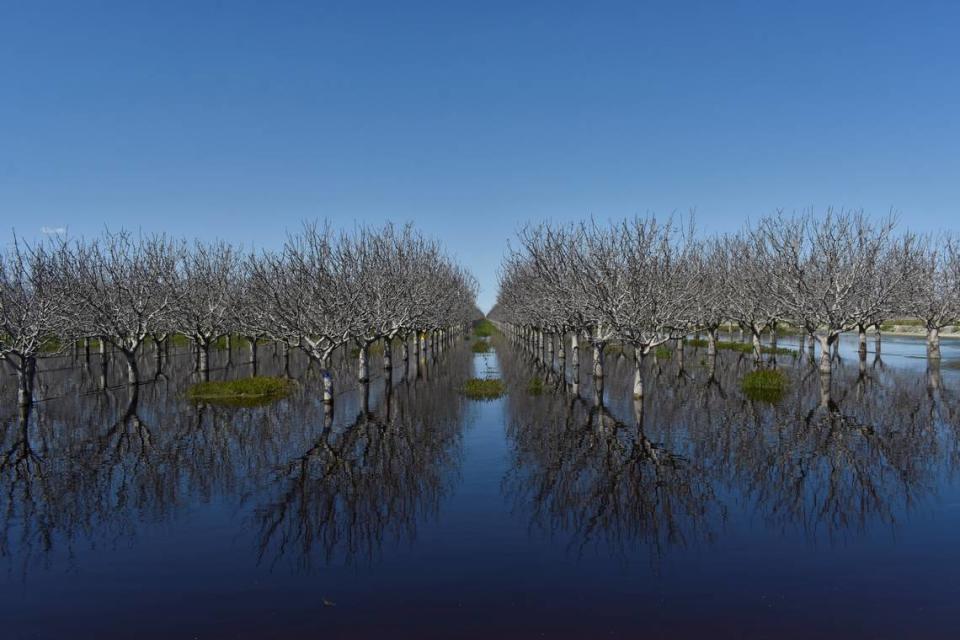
663,353
743,347
484,388
480,346
484,329
245,392
765,385
535,386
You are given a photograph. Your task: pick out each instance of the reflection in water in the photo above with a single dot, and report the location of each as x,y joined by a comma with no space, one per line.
94,461
831,458
378,475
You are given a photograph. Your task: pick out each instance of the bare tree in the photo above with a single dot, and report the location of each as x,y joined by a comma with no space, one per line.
825,272
205,309
33,309
123,287
934,288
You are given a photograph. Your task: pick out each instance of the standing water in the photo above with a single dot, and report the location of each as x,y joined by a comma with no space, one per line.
413,511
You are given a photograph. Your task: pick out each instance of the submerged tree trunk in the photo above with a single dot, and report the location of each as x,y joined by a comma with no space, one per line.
680,364
562,355
363,375
862,340
933,343
826,364
575,356
327,380
203,349
757,347
26,371
133,372
598,370
711,342
876,341
638,356
387,354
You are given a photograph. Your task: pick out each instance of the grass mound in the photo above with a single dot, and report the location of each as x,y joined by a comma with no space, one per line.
484,388
765,385
484,329
246,392
480,346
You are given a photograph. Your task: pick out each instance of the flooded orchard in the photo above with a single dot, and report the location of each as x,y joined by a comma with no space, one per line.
408,509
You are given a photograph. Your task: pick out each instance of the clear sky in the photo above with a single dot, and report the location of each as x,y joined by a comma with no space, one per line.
239,120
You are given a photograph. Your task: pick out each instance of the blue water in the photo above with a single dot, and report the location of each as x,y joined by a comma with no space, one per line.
698,513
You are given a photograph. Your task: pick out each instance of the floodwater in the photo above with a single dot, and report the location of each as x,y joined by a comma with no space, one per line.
411,511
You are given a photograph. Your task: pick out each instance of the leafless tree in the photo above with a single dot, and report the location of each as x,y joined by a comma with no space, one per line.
33,309
933,293
205,309
826,271
123,287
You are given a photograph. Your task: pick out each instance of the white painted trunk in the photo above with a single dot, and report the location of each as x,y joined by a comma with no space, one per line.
826,364
933,343
638,373
363,375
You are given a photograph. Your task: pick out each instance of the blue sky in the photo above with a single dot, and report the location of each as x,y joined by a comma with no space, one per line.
239,120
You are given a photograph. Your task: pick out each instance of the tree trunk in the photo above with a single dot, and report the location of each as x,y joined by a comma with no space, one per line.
575,356
711,342
387,354
757,347
933,343
327,380
876,342
362,374
550,351
406,350
86,348
862,336
638,373
26,371
826,363
598,371
562,356
680,365
203,349
133,373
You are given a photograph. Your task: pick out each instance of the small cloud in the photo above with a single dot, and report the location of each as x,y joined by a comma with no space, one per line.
53,231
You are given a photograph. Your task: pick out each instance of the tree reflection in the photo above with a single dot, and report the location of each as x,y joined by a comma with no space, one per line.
829,459
375,477
90,466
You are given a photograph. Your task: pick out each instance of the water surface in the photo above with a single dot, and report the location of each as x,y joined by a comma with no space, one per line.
410,511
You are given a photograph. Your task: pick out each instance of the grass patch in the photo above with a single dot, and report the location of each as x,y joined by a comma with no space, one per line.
484,388
743,347
245,392
535,386
480,346
765,385
663,353
484,329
